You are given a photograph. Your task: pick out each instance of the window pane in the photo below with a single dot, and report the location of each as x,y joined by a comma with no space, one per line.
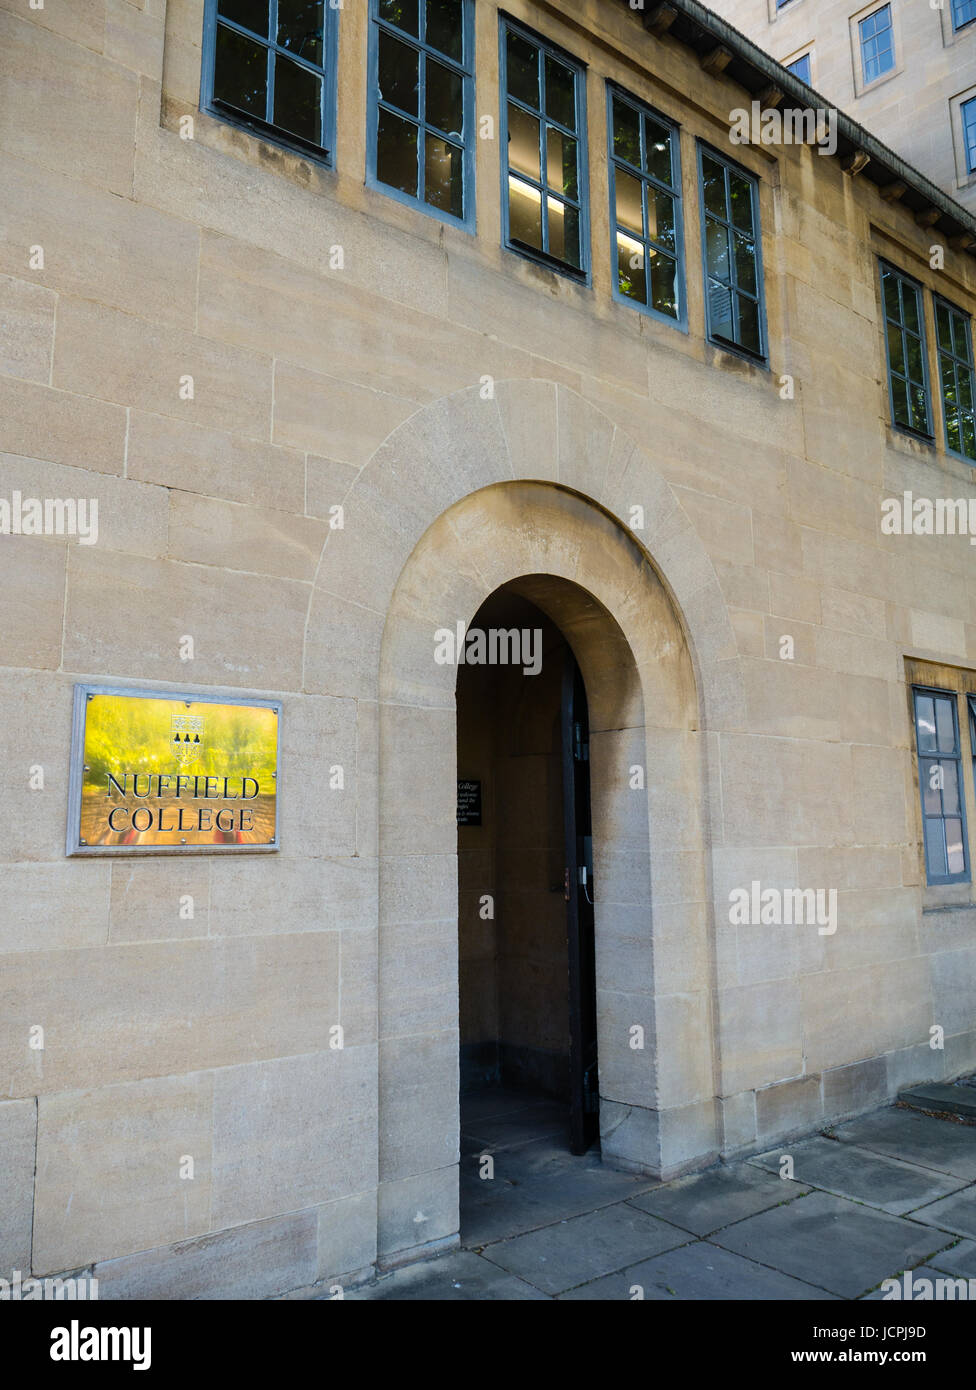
947,375
399,73
658,140
935,849
300,28
964,380
444,176
713,183
626,133
944,726
664,280
523,69
913,359
720,311
660,217
631,269
745,263
252,14
740,198
564,239
968,437
717,251
954,849
950,789
919,405
298,100
891,300
630,212
930,773
561,163
560,92
960,338
749,324
445,27
396,152
241,72
444,98
525,213
900,412
523,142
953,432
400,12
909,304
943,328
925,723
896,349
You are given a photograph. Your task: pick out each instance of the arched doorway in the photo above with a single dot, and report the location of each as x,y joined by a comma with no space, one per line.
654,966
527,981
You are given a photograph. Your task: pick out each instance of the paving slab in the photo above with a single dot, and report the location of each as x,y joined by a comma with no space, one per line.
836,1244
850,1171
519,1127
536,1185
942,1095
942,1145
456,1278
574,1252
698,1271
705,1202
958,1259
956,1213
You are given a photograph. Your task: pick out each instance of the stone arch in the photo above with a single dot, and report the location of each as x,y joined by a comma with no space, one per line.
530,430
535,486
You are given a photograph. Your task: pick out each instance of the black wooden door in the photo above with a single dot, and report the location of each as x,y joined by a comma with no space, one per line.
584,1092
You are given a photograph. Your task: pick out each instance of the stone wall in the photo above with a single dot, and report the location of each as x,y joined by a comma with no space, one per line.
208,1037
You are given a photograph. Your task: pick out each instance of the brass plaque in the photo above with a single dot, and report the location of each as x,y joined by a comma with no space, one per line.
154,772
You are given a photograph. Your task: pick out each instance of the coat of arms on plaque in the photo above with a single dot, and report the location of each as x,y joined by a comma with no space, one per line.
187,732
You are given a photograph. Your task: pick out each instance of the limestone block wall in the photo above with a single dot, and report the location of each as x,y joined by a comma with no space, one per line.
209,1037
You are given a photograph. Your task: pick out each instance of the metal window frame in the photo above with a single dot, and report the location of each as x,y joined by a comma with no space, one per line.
582,273
762,357
466,71
957,362
940,880
969,150
957,28
263,128
803,58
890,28
928,434
614,91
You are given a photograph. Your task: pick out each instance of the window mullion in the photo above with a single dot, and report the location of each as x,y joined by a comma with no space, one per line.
270,78
422,114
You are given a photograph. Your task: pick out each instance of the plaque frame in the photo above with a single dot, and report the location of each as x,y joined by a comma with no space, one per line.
76,771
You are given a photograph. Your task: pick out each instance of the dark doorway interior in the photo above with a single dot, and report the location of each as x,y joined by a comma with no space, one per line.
527,987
